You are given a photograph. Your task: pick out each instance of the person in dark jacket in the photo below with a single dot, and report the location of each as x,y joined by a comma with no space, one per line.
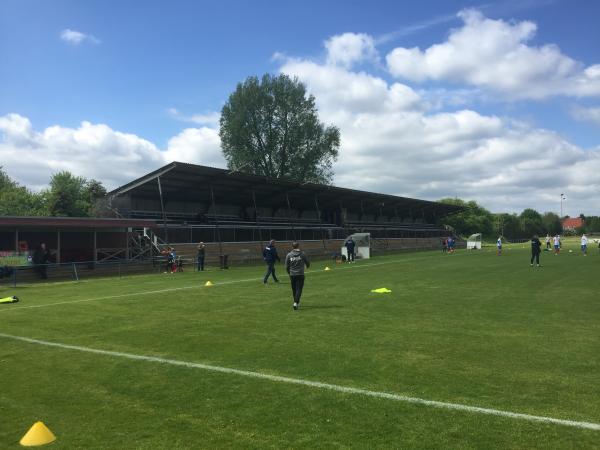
200,256
270,256
536,248
350,245
41,258
295,261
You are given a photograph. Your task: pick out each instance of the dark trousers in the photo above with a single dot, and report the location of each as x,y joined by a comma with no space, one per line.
270,271
535,256
42,269
200,263
351,255
297,285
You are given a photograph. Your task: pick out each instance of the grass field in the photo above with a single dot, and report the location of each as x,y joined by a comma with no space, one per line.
469,328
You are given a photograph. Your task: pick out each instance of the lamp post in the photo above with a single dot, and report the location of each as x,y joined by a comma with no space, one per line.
562,197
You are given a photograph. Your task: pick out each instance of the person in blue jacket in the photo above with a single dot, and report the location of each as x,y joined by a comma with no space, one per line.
350,244
270,256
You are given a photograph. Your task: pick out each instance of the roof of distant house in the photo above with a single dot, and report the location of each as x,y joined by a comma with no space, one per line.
572,223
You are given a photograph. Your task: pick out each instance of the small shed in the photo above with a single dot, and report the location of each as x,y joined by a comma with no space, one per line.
474,242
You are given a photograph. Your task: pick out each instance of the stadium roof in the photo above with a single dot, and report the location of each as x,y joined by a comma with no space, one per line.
190,182
74,222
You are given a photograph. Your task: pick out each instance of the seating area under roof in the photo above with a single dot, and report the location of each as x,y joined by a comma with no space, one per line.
201,190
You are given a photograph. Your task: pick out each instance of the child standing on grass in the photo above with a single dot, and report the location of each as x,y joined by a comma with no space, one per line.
499,245
584,242
556,244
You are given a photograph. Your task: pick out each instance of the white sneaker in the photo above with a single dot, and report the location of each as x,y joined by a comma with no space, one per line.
295,305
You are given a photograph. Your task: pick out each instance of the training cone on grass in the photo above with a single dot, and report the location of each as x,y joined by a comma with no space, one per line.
38,434
208,284
381,291
327,268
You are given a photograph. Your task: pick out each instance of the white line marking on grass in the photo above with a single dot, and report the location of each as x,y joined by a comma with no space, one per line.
195,286
314,384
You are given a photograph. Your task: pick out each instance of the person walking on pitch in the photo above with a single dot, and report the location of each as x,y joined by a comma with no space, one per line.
536,248
295,261
548,242
499,245
270,256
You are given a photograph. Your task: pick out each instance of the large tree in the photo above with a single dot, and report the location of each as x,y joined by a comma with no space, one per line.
531,222
508,225
73,196
271,127
473,219
17,200
551,223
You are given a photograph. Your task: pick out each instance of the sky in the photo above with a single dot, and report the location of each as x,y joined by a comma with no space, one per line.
497,102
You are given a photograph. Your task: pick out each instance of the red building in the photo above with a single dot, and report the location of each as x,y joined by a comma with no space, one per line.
571,224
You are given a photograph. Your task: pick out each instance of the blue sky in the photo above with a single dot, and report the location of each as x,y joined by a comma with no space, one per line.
132,81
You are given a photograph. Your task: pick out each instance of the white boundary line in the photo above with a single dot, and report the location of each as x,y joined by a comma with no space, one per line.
315,384
195,286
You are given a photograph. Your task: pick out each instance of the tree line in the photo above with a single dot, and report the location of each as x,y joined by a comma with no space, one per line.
67,195
476,219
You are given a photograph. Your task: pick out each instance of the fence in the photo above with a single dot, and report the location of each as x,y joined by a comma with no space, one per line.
76,271
236,253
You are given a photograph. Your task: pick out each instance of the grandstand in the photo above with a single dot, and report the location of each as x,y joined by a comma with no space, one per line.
237,212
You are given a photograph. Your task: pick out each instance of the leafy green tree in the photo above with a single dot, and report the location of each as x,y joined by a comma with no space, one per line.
6,182
16,200
271,127
94,192
73,196
551,223
592,224
508,225
473,219
531,222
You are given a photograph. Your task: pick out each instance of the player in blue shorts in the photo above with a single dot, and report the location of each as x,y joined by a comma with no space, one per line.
584,242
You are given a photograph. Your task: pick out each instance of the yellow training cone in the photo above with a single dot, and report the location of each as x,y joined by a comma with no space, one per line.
208,284
381,290
327,268
38,434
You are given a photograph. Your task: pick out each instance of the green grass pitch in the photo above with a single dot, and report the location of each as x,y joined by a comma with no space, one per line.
470,328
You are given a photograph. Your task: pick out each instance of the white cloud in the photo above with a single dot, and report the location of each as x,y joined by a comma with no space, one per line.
77,37
210,119
495,54
339,90
586,114
95,151
392,143
196,146
349,48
